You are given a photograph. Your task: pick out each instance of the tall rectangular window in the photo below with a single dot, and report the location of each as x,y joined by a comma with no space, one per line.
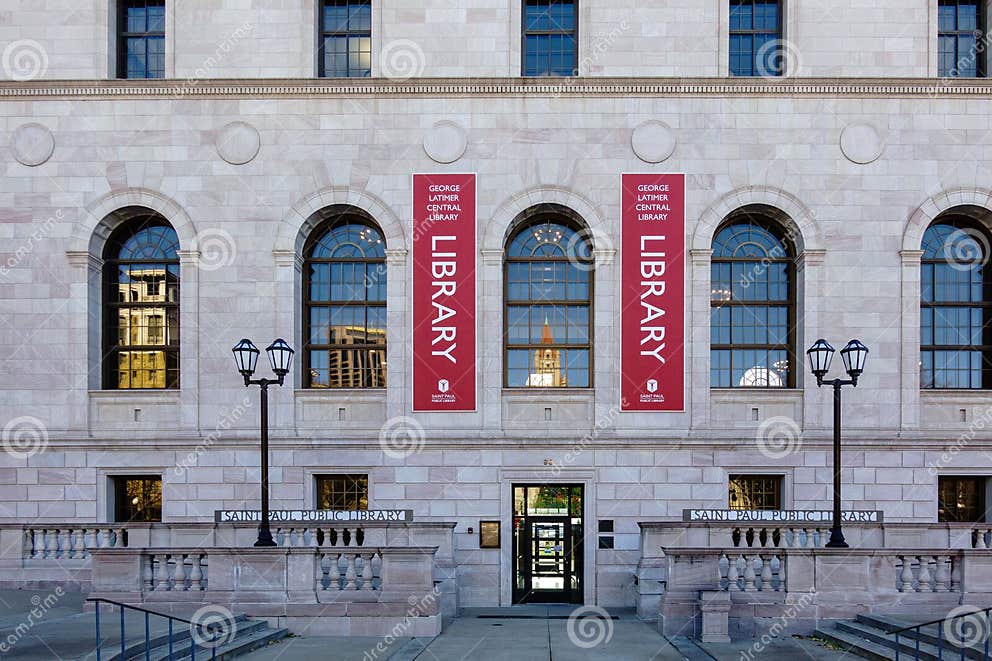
342,492
550,44
756,38
137,498
141,39
961,499
755,492
345,39
960,29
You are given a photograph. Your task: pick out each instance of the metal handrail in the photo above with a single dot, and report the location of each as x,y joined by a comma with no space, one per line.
210,627
940,635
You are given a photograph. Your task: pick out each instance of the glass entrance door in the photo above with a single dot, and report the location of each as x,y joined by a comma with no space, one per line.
547,543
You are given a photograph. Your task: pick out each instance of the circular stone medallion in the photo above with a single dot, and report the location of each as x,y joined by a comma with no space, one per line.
32,144
653,141
861,143
238,143
445,142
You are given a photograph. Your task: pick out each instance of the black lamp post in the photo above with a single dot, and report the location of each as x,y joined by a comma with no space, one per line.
820,354
280,357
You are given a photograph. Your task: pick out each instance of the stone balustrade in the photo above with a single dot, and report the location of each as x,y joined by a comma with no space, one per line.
765,535
45,554
356,592
806,586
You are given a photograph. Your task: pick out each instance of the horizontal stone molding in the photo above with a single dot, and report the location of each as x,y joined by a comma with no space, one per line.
432,87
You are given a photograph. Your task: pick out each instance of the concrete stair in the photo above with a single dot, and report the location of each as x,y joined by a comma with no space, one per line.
249,636
871,637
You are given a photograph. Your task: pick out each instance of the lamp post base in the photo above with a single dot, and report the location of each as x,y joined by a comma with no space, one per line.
265,538
837,539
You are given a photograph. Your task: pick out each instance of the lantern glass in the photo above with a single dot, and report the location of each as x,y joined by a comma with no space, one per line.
280,356
246,356
855,355
820,355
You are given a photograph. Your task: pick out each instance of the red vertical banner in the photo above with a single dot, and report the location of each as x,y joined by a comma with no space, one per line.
652,292
444,261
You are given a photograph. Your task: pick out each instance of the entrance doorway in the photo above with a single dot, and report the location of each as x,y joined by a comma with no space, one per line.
547,543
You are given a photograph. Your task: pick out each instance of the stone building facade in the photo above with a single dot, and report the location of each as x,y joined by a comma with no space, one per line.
855,150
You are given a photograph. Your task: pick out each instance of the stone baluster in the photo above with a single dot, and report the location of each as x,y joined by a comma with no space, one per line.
979,535
34,543
47,543
195,573
906,576
941,577
925,578
781,573
376,562
162,577
89,541
324,579
180,575
342,568
766,573
306,537
367,573
149,568
749,575
733,574
955,574
104,538
350,574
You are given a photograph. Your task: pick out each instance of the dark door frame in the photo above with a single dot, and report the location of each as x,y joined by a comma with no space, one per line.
574,551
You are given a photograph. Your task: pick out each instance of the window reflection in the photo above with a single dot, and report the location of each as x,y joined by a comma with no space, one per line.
346,39
345,314
141,314
548,286
137,498
755,38
751,306
960,25
955,323
342,492
141,39
549,38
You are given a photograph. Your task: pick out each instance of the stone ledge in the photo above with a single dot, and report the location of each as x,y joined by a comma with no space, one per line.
431,87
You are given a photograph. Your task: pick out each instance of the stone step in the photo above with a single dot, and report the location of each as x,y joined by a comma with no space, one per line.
906,645
856,645
932,635
250,635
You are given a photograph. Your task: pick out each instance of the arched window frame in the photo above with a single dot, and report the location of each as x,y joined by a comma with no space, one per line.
582,250
375,268
768,223
959,256
112,305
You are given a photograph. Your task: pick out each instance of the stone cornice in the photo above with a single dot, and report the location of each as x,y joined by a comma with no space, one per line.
470,87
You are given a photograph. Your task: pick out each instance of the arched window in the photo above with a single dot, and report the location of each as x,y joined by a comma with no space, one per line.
955,306
345,306
141,305
548,314
752,305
